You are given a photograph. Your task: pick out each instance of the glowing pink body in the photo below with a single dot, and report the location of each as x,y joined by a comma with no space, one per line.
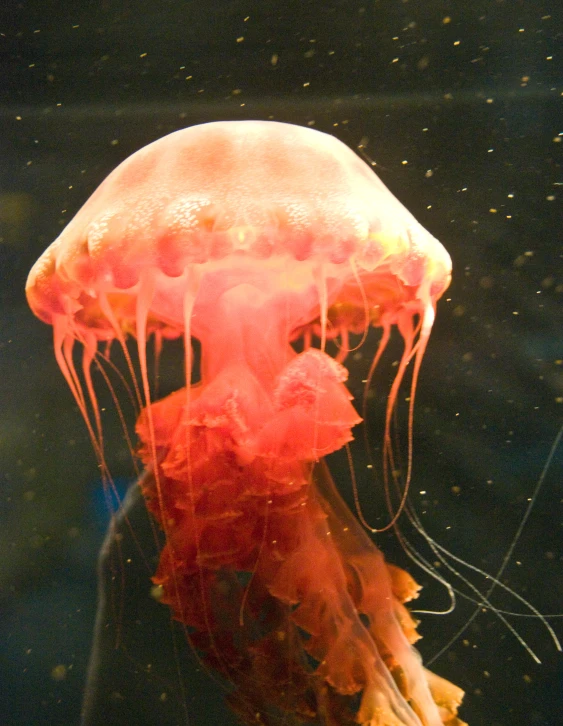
247,236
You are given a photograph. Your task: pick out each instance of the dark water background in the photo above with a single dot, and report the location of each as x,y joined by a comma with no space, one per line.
459,104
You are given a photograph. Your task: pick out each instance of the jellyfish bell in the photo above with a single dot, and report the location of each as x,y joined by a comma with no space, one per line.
249,235
235,196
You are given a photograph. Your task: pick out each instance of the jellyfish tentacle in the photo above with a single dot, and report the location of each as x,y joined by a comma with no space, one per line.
259,505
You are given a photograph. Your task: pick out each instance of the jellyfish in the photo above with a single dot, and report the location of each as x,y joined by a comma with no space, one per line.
265,242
